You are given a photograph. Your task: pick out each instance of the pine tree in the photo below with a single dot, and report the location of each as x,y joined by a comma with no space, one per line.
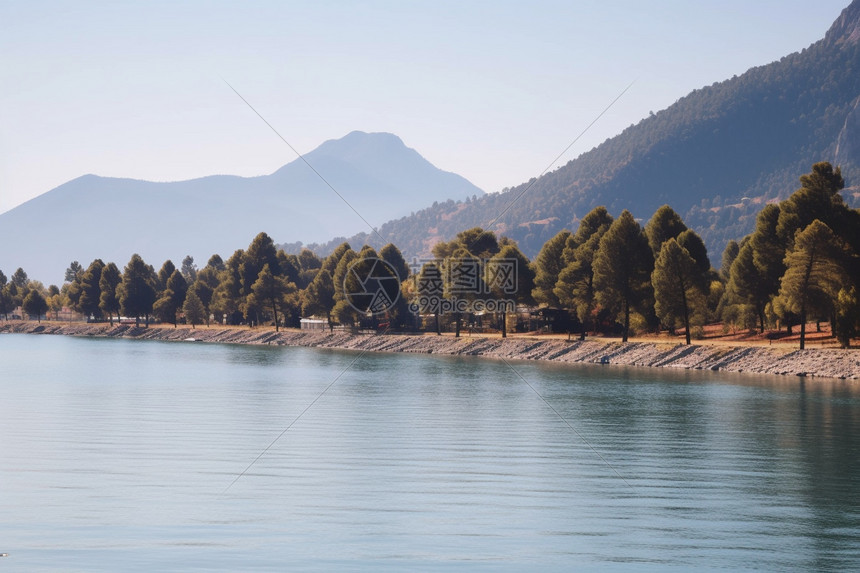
622,269
817,198
665,224
847,323
318,298
164,274
90,289
74,272
548,265
193,309
269,291
517,286
34,304
172,298
108,282
677,287
575,286
136,292
189,269
814,273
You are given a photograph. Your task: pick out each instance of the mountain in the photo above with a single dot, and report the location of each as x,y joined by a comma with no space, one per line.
717,156
99,217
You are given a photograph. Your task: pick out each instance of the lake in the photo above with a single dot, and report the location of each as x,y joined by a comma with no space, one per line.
124,455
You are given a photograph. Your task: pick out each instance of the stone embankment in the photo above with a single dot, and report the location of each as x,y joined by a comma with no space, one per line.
830,363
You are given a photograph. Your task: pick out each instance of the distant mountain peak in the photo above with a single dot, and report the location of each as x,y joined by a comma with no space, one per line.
362,141
846,28
374,174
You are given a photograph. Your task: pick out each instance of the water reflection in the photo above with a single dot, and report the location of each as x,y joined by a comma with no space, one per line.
415,462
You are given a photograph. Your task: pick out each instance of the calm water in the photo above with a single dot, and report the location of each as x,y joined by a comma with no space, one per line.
116,456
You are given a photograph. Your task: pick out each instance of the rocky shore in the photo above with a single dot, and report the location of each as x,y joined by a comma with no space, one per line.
829,363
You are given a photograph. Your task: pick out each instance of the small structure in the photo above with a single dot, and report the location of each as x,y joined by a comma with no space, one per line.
313,324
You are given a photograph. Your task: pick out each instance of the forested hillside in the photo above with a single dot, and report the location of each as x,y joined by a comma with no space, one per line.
717,156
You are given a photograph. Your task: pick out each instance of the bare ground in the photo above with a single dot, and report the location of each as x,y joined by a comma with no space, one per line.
752,356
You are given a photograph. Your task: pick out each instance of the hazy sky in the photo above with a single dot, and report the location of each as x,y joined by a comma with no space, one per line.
490,90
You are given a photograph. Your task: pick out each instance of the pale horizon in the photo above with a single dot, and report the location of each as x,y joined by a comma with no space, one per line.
490,91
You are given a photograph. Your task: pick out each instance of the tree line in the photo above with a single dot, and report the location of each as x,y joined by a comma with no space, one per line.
612,275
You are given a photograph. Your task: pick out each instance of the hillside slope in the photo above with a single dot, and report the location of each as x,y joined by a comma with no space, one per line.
717,156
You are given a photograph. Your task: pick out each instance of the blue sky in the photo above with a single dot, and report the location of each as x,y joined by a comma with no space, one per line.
490,90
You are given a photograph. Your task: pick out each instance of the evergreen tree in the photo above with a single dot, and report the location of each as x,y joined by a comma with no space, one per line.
814,273
215,262
35,305
227,297
398,315
318,298
548,266
6,301
90,290
172,298
193,309
729,256
19,278
309,266
309,261
204,288
768,249
518,287
665,224
817,198
622,269
747,292
108,282
136,292
74,272
189,269
342,311
677,287
429,290
575,286
167,269
330,263
690,241
260,252
392,255
269,291
847,323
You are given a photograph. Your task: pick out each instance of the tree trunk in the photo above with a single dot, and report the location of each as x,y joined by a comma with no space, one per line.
802,327
761,320
504,325
457,326
686,319
626,320
275,312
687,326
438,327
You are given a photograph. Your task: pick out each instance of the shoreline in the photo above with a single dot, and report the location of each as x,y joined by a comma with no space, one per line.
817,363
